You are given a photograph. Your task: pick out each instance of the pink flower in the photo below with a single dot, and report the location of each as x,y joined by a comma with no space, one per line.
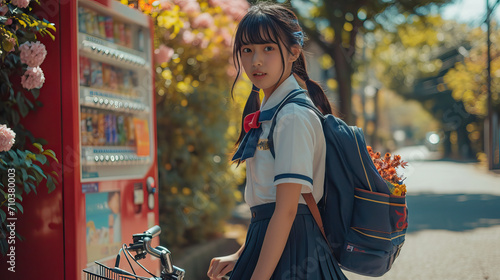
187,37
7,138
182,3
32,54
165,5
8,21
21,3
226,37
3,9
163,54
191,8
216,3
204,20
33,78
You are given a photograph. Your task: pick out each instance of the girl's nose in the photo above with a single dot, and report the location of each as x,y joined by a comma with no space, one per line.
257,59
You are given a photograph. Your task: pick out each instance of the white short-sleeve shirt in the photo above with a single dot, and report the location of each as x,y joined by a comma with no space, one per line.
300,151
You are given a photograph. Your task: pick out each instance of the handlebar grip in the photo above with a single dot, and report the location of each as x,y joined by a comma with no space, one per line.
154,231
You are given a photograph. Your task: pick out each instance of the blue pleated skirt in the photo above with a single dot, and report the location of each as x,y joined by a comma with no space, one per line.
306,254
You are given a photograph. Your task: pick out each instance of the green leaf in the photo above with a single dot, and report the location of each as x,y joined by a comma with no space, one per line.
26,188
50,184
23,109
35,92
15,117
22,154
33,187
24,175
41,158
38,171
15,159
3,216
30,104
38,146
51,154
20,207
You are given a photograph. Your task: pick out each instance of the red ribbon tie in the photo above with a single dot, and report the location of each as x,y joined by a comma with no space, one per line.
251,121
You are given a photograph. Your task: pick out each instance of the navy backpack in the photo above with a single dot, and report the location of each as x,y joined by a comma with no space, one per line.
364,224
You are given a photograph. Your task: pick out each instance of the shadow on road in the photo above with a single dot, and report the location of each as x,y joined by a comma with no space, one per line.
455,212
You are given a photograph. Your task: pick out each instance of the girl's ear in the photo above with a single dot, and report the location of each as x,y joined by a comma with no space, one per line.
295,53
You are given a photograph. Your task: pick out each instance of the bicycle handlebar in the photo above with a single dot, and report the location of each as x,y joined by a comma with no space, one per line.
154,231
141,245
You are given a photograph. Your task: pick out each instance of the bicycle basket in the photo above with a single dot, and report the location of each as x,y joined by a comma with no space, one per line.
102,272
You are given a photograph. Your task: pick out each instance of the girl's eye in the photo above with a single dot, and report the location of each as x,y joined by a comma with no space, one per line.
246,50
268,48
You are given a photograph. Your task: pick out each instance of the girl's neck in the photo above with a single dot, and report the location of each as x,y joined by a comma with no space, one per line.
268,92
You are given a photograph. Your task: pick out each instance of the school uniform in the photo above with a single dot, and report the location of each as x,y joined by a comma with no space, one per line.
300,151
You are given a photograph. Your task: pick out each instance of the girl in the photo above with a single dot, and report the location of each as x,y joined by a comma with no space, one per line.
283,240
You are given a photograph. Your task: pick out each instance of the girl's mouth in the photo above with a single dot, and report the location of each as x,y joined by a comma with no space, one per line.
259,75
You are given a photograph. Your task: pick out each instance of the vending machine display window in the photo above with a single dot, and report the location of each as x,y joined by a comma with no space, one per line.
115,95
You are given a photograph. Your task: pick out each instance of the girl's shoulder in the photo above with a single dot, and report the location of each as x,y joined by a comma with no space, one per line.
298,112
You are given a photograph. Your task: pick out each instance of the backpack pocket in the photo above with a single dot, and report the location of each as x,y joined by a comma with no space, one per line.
377,233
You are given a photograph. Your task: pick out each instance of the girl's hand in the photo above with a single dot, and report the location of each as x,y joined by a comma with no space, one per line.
220,266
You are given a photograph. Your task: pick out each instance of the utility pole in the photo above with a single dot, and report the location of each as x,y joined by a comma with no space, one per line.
490,148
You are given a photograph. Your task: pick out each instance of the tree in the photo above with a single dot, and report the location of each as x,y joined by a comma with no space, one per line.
335,26
417,62
467,79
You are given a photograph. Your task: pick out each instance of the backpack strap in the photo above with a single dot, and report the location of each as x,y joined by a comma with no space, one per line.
313,207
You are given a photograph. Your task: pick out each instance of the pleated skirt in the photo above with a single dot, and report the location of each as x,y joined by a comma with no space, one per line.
306,254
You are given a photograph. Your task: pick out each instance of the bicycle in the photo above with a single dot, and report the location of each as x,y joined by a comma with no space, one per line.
141,246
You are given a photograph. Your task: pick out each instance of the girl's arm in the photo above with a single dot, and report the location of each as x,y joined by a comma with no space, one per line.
287,200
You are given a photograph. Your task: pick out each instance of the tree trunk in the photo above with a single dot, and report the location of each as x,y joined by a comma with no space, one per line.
343,73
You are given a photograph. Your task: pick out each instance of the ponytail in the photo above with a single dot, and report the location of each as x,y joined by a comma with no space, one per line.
252,105
316,93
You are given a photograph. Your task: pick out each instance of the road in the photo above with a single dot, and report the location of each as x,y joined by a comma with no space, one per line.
454,221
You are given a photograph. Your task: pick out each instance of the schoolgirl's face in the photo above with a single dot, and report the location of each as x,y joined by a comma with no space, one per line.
266,66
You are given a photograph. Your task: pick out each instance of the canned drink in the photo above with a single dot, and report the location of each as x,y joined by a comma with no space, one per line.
82,16
101,129
108,29
102,26
107,128
114,136
83,127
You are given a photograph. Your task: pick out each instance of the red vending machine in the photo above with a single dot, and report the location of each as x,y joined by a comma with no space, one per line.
99,118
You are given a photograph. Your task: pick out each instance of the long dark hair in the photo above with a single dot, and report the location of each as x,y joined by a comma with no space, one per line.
274,23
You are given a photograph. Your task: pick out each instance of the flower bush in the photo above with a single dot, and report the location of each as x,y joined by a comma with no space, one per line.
21,76
386,167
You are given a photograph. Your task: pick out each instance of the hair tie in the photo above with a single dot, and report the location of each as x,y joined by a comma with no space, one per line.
299,36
